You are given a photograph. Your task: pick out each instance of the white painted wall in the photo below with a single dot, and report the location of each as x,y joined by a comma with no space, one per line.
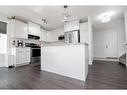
112,35
52,36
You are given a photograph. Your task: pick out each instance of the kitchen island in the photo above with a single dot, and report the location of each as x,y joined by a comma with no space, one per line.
69,60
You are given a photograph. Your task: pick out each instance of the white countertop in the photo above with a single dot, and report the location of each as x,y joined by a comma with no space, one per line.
21,47
62,44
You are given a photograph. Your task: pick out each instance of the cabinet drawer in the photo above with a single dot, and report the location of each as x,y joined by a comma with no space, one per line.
22,55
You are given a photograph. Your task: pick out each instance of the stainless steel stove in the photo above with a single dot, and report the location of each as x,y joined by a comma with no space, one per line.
35,52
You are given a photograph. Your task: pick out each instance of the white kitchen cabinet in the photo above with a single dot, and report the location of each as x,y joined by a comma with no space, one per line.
43,35
84,34
67,60
34,29
21,56
52,63
20,29
71,25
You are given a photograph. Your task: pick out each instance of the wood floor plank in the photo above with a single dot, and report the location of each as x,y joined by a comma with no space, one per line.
102,75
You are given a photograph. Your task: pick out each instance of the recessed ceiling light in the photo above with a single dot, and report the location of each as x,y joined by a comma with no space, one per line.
106,17
104,20
109,14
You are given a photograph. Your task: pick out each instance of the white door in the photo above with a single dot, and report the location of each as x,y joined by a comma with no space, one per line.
110,40
125,18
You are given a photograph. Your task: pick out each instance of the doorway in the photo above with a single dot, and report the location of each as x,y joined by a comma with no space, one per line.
109,40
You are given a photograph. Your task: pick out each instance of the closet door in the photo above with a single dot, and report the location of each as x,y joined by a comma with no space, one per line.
110,40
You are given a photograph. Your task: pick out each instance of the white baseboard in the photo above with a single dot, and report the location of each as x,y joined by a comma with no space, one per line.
105,59
17,65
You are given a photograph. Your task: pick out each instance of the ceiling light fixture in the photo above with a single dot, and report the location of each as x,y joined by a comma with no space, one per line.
66,14
106,17
44,21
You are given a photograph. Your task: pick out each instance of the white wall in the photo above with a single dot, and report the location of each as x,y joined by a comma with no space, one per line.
113,35
53,35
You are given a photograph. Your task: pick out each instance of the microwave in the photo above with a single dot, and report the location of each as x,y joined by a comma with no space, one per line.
33,37
61,37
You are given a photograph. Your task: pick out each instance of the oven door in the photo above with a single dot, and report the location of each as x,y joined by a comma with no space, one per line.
36,52
35,55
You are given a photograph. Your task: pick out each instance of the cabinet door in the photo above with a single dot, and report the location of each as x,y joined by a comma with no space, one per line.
19,56
49,61
27,55
110,40
72,25
34,29
43,35
20,30
22,55
84,35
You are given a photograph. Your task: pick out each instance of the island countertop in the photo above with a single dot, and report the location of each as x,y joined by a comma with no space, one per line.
62,44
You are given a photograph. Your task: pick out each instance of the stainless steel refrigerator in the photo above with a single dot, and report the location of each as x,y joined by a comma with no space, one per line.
72,37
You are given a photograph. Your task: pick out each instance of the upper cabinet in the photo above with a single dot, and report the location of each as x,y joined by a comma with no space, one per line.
84,33
20,29
71,25
43,35
34,29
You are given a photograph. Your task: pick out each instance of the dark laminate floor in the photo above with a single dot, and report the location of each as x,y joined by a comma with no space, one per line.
102,75
107,75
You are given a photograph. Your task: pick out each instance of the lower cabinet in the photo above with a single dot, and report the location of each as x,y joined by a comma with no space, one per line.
66,60
21,56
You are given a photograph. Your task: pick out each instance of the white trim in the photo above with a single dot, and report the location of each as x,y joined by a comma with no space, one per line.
105,59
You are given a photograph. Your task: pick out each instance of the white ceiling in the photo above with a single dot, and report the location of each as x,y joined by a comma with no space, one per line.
54,14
